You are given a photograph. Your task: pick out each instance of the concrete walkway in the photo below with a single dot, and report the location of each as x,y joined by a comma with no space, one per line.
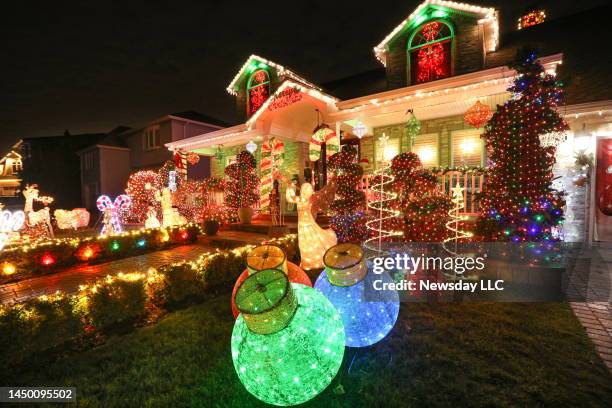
590,288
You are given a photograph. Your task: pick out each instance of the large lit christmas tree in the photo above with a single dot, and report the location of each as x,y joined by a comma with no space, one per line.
349,218
517,202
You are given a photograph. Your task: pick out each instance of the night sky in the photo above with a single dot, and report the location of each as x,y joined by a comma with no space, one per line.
90,66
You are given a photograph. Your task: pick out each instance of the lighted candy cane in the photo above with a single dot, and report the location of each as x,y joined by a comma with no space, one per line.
105,204
323,135
9,223
271,159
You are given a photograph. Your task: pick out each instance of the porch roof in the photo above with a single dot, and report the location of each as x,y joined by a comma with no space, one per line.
442,98
265,122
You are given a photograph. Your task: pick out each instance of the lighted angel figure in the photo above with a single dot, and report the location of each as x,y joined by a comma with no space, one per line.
313,240
152,221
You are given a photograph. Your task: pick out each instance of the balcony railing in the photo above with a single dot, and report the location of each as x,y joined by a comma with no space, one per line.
471,181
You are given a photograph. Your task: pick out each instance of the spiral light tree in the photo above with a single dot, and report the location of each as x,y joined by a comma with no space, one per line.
381,204
453,225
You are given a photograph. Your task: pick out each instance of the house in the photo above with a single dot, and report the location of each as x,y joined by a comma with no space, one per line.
10,181
437,63
106,165
52,163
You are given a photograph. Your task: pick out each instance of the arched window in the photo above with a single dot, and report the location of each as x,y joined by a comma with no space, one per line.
258,90
430,52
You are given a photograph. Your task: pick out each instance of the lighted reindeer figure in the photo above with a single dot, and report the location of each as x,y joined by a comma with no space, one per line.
40,217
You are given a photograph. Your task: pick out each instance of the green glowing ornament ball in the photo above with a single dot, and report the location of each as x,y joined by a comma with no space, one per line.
288,342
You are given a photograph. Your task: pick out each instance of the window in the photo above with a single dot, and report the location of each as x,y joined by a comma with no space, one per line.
151,138
16,166
88,160
430,52
426,147
466,148
258,90
8,191
393,149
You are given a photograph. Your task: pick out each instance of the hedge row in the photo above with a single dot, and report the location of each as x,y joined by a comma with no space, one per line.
52,255
50,321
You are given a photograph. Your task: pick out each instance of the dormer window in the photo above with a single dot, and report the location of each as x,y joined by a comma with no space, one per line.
430,52
258,90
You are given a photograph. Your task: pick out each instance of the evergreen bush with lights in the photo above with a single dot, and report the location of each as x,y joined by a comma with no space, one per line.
241,188
424,210
349,205
114,301
518,203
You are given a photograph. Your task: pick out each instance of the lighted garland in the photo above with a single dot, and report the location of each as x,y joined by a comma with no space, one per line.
50,255
518,203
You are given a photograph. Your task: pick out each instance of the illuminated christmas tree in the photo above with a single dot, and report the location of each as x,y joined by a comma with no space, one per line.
348,221
518,203
425,211
240,189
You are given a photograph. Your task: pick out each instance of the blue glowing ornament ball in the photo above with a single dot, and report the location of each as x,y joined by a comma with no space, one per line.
367,318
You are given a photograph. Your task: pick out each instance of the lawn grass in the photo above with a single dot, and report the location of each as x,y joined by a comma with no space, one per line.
460,354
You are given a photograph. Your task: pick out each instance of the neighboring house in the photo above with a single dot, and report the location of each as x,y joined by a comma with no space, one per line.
107,164
10,181
105,167
441,59
52,163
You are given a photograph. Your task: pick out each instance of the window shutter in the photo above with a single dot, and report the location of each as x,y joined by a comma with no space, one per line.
426,147
466,148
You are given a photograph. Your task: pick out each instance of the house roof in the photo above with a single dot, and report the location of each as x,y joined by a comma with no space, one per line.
200,117
488,17
254,62
586,68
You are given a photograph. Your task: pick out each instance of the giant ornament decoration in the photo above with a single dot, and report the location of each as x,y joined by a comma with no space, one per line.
110,210
367,318
288,342
268,257
478,115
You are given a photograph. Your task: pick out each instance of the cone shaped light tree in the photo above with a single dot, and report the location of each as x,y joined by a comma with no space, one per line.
518,202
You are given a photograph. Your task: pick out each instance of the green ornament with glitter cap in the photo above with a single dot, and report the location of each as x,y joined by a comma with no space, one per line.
288,342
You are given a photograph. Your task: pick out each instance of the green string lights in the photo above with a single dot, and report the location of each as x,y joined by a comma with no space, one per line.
298,361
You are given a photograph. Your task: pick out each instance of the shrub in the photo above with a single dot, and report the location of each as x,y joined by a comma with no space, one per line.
220,270
37,325
114,300
173,284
